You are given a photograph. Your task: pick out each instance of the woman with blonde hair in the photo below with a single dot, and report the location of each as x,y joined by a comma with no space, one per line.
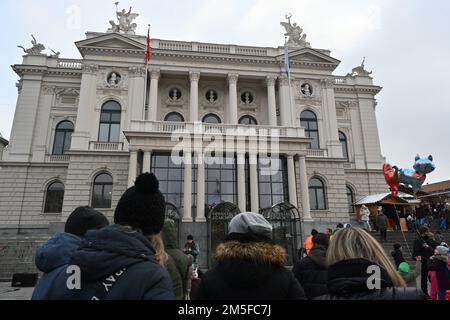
359,269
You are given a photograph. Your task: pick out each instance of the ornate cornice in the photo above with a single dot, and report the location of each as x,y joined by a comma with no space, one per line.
127,52
374,90
271,61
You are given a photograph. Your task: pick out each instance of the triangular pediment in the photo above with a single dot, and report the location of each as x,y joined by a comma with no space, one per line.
311,55
111,41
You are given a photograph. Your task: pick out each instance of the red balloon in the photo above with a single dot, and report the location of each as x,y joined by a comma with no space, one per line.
392,178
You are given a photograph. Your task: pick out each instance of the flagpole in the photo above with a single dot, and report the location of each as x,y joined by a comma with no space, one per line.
288,69
146,77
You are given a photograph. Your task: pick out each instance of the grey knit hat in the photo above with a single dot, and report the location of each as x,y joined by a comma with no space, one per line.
249,222
441,250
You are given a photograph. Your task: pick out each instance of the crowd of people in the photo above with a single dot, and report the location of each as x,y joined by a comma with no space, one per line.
138,258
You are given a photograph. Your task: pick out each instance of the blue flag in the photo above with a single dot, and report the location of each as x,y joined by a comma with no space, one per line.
287,63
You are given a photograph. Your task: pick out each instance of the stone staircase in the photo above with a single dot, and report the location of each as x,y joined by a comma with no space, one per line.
17,254
397,237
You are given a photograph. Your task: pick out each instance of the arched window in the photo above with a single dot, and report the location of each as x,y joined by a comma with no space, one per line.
102,191
174,117
110,122
63,137
317,194
248,120
343,140
211,118
54,197
350,200
308,120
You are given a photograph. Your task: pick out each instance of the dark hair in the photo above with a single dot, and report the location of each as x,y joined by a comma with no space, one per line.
314,232
330,230
321,239
423,230
340,225
397,246
247,237
190,237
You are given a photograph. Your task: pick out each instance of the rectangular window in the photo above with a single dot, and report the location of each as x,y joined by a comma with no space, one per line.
273,184
103,135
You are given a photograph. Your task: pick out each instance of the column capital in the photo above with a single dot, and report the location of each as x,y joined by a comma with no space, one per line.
233,78
270,81
194,76
327,83
283,80
137,71
155,74
89,68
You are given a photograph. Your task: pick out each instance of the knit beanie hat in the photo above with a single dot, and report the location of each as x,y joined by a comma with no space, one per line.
250,224
83,219
404,267
142,206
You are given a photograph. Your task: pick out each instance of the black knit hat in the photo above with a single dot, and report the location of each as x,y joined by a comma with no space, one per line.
83,219
142,206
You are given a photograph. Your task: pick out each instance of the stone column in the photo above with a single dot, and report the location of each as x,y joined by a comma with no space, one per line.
304,190
254,192
194,77
242,197
86,105
41,131
292,180
136,92
233,99
285,101
329,106
271,101
147,162
132,169
187,212
200,188
153,95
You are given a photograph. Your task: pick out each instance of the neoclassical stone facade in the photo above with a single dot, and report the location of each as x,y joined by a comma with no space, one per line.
84,129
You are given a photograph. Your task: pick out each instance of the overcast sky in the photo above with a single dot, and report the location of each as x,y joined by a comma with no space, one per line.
406,42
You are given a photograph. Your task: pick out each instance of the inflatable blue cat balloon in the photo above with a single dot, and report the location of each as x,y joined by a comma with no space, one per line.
410,177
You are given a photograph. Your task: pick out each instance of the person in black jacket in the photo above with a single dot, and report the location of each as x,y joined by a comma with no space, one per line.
360,270
118,262
397,254
249,266
423,247
311,272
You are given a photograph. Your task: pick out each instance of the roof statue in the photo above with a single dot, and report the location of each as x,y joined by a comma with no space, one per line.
36,48
124,23
360,70
296,37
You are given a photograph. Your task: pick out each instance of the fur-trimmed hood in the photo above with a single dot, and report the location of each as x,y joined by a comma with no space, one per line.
248,264
258,252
